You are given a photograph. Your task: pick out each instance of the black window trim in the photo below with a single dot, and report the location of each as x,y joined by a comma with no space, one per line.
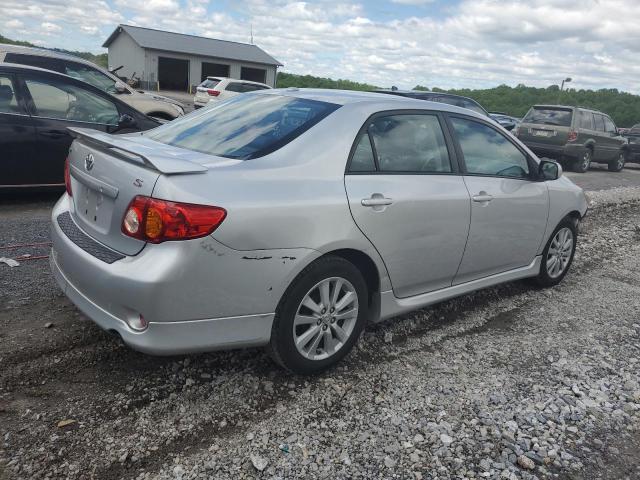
533,165
453,159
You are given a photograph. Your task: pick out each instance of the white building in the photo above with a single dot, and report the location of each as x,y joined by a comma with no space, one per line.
174,61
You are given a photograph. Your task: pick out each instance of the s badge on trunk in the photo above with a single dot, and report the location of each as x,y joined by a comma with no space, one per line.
89,161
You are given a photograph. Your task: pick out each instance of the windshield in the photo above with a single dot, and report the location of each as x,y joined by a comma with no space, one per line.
549,116
91,76
245,127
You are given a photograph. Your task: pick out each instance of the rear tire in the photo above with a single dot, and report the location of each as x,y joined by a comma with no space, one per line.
618,164
320,316
583,162
557,256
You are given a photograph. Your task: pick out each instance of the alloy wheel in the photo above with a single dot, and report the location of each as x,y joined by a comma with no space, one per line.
586,160
560,251
325,318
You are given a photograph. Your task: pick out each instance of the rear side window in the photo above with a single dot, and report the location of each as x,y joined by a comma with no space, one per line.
235,87
488,152
250,87
549,116
585,120
410,143
209,83
245,127
8,100
599,119
362,160
460,102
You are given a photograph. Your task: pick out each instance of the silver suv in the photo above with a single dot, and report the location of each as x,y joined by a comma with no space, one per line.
156,106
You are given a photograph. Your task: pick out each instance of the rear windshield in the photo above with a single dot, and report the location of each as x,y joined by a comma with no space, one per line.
549,116
209,83
245,127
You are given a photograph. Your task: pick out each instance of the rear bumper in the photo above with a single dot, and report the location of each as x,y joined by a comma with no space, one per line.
557,152
196,295
200,101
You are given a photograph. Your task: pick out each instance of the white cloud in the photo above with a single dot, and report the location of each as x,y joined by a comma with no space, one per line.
50,28
477,43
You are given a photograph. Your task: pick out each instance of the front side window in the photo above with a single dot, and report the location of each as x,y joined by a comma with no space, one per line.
609,126
410,143
245,127
91,76
8,100
59,100
487,152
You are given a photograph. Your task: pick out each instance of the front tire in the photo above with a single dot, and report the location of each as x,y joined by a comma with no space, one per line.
618,164
320,316
558,254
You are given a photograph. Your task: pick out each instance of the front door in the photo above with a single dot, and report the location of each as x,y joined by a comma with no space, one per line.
407,198
56,105
17,135
509,207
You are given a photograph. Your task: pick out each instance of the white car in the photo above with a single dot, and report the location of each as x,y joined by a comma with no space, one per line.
222,88
156,106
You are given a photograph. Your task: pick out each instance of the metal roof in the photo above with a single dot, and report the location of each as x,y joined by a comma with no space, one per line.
193,45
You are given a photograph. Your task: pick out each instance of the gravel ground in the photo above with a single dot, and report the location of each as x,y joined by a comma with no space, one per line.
511,382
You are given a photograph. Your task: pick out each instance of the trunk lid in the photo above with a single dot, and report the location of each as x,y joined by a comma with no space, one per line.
107,172
547,125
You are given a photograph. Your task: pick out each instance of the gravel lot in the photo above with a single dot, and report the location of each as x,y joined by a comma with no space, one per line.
510,382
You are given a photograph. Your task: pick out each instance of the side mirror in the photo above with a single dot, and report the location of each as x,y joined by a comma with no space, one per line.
126,121
549,170
120,87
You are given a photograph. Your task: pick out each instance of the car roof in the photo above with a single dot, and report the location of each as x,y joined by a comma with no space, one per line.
222,79
43,52
386,102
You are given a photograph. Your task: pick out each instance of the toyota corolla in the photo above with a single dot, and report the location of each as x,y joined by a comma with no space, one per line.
291,218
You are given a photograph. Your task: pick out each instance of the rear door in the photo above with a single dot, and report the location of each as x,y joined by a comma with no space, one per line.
56,103
509,209
407,197
19,163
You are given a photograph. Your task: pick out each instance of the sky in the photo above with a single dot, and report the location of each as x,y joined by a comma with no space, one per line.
448,44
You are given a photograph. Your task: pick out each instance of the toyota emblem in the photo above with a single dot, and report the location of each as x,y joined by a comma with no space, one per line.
89,161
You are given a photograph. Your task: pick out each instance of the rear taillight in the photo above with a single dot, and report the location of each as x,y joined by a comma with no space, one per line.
156,221
67,177
573,136
212,92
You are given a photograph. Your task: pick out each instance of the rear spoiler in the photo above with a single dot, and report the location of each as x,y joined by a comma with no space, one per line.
127,150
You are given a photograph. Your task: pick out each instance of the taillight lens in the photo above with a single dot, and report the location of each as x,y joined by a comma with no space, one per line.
156,221
212,92
67,177
573,136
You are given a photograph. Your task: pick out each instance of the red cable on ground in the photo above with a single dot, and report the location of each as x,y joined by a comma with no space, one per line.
42,244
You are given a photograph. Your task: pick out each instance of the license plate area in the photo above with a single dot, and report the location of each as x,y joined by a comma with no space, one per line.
94,207
543,133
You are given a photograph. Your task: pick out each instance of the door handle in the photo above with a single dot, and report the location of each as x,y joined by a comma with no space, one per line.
376,201
54,133
482,197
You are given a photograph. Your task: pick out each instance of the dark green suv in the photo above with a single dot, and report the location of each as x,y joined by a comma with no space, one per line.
574,136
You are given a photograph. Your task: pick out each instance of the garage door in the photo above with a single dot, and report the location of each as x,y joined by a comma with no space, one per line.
253,74
173,74
214,70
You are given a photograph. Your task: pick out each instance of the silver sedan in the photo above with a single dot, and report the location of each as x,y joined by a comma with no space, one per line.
291,218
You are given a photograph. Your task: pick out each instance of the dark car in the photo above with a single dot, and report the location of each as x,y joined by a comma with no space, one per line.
36,107
633,135
574,136
507,121
447,98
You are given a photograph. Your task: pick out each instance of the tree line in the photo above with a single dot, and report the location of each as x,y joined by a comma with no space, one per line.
623,107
